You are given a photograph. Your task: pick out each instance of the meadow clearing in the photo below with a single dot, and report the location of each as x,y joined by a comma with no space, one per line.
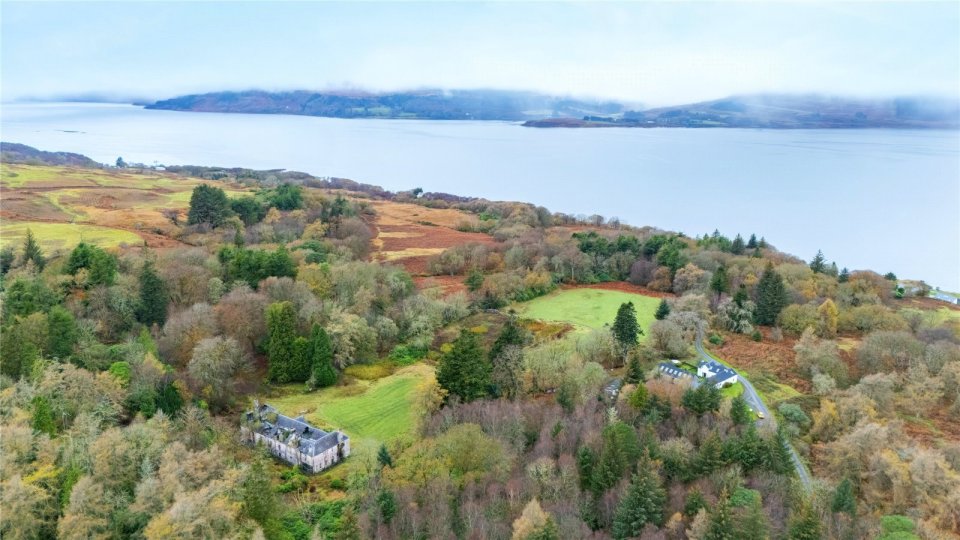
587,309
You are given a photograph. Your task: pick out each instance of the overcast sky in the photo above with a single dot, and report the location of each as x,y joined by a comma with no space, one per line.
654,53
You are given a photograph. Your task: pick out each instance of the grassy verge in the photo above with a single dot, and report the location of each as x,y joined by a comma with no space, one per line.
587,309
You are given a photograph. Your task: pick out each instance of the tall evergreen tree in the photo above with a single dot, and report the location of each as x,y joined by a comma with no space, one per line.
153,297
762,244
843,499
299,366
819,263
634,371
771,297
844,275
750,521
663,310
321,357
702,399
721,520
642,503
620,451
7,257
465,370
752,243
739,411
281,336
258,497
208,204
720,283
737,247
62,333
626,330
779,459
804,524
32,251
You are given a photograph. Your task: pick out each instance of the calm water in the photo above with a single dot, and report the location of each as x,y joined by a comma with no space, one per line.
880,199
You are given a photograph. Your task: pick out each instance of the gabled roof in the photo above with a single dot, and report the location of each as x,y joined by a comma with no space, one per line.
673,371
312,440
720,371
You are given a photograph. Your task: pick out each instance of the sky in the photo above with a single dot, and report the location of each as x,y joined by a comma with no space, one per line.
652,53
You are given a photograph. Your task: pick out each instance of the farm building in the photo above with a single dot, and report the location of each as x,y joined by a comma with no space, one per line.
715,373
293,439
674,372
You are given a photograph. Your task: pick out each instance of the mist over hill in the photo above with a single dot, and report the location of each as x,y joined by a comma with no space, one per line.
785,111
424,104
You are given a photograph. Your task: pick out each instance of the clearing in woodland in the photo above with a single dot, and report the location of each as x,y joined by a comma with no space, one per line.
587,308
370,412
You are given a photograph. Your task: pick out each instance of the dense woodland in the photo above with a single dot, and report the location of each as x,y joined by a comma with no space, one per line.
124,373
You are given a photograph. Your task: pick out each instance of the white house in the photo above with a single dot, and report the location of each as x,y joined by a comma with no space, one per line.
715,373
293,439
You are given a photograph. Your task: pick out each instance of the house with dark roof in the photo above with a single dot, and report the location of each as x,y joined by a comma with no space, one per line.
675,373
715,373
293,439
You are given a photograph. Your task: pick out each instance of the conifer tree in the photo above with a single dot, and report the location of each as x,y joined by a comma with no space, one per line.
771,297
465,370
804,524
720,283
751,522
739,411
818,264
383,457
7,256
512,334
762,244
663,310
779,459
153,297
634,371
721,521
643,503
752,243
258,497
737,246
321,357
281,335
710,455
626,330
844,275
299,366
474,280
844,499
32,251
208,204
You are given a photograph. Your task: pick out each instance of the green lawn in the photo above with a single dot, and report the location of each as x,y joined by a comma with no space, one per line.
383,409
732,391
587,309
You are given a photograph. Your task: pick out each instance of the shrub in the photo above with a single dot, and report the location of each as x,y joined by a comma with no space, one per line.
756,336
716,339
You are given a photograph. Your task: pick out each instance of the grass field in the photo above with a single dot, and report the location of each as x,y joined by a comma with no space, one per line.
383,409
54,236
587,309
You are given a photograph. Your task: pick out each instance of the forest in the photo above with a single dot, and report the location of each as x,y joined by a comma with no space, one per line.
125,371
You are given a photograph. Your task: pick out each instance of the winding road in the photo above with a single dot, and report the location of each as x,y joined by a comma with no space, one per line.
753,400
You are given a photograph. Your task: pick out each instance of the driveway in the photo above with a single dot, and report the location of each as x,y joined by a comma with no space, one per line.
753,400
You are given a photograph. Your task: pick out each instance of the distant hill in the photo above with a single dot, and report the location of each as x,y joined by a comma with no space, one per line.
21,153
778,111
426,104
